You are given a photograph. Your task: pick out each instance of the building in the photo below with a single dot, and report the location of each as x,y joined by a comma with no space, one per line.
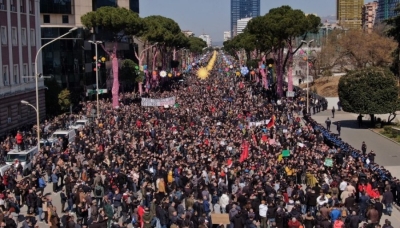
349,13
70,60
386,9
19,38
227,35
207,39
369,16
241,25
243,9
188,33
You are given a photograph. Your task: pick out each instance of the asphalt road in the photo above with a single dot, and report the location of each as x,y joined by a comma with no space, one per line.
387,152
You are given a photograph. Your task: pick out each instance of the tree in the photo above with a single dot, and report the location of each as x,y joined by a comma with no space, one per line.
120,22
370,91
128,70
64,99
282,26
394,31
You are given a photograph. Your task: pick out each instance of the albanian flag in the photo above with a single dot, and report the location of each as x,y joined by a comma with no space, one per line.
271,122
245,151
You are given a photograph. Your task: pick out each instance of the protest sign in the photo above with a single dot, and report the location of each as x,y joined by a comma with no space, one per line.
149,102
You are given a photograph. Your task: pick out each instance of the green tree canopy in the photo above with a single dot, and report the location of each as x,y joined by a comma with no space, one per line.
128,70
196,45
64,99
394,31
369,91
159,29
113,19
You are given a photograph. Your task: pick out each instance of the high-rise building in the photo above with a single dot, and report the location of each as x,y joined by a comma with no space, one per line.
369,15
19,42
70,59
227,35
349,13
243,9
386,9
241,25
207,39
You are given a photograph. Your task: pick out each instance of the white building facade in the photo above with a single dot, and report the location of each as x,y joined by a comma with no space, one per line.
207,39
241,25
227,35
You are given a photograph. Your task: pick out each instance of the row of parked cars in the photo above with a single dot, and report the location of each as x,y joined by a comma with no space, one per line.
25,157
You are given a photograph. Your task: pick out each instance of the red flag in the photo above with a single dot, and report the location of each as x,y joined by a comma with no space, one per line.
271,122
254,139
245,151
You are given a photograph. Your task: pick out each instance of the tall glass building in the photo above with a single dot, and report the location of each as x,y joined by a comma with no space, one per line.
243,9
386,9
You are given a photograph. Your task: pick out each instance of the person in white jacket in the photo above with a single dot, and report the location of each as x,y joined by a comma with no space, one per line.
322,199
223,201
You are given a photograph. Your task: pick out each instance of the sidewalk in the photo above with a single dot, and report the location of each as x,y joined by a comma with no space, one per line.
387,152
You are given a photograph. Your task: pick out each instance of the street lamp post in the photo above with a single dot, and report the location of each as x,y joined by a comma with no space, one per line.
37,114
37,84
308,99
97,77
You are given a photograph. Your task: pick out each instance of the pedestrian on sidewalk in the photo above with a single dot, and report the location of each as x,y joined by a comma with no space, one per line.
328,124
338,127
359,119
364,148
333,112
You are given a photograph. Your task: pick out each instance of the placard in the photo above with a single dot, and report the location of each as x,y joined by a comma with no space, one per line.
285,153
220,219
328,162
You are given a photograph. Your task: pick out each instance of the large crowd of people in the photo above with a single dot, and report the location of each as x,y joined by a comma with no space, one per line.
227,146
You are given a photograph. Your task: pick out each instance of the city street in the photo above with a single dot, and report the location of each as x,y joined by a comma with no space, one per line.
387,152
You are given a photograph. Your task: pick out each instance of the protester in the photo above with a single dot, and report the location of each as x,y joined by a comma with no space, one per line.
225,145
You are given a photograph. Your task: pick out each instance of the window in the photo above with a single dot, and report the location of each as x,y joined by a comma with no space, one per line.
3,35
33,37
16,74
65,19
24,71
13,8
9,112
2,5
21,5
19,110
46,18
5,75
23,36
30,6
14,36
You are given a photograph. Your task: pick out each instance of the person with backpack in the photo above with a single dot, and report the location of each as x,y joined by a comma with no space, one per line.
98,193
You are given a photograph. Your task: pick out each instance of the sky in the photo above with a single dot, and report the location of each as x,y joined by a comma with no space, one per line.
213,16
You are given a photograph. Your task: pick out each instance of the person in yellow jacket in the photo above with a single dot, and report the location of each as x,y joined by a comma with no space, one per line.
170,178
289,170
310,179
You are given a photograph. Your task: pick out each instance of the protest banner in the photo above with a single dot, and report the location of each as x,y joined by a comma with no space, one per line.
149,102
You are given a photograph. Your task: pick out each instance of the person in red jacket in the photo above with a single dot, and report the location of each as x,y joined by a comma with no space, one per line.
19,140
294,223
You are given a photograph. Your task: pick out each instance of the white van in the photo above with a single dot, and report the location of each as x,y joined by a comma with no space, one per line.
79,124
24,157
68,134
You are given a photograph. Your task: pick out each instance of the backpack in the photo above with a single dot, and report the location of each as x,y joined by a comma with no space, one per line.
98,191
